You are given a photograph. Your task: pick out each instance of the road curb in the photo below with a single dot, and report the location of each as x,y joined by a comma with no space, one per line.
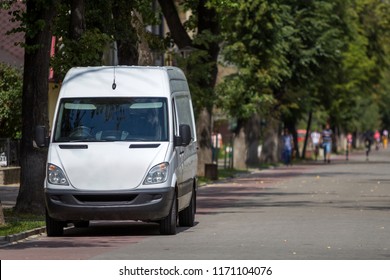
5,240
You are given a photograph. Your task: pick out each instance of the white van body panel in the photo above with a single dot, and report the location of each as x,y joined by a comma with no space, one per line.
98,164
98,81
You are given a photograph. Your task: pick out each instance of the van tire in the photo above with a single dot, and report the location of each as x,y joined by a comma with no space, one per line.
168,225
187,215
54,227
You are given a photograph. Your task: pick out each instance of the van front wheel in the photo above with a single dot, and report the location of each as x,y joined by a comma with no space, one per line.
54,227
187,215
168,224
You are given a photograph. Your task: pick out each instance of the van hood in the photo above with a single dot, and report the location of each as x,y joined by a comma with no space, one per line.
107,166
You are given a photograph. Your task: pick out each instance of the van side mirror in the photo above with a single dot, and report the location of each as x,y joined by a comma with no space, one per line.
184,137
41,137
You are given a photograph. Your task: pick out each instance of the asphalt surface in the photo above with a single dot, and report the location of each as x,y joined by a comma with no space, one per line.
8,195
337,211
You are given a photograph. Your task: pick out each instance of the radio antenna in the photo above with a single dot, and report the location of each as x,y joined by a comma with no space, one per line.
113,83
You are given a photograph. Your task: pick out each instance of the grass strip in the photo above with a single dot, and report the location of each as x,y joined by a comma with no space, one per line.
16,223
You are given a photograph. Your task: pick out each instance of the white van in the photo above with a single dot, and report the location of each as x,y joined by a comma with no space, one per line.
123,147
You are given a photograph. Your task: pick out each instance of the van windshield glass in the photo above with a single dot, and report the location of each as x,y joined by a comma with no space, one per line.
112,119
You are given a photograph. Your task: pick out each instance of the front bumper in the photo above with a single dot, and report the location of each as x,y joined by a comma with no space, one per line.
145,205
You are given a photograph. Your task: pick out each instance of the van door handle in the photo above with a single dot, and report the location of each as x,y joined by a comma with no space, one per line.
181,152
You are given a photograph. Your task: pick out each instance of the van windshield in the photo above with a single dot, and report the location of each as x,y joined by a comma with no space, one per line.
112,119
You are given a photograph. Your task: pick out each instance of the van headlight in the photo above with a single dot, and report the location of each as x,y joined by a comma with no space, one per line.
158,174
55,175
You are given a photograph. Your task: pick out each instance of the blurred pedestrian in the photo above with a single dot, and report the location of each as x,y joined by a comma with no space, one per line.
315,140
368,139
216,145
385,138
288,144
377,138
326,140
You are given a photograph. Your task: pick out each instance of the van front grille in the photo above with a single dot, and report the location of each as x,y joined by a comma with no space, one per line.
120,198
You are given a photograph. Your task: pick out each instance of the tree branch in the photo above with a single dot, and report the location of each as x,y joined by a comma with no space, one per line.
178,32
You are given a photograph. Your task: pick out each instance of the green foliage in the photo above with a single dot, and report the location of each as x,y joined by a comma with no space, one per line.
33,23
87,51
195,67
293,56
11,83
257,42
318,41
315,55
105,22
284,51
359,91
369,118
6,4
242,100
384,99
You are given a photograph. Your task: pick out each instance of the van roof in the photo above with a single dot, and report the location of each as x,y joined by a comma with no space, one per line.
120,81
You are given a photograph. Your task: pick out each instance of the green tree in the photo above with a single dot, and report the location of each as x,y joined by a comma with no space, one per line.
79,42
374,19
322,33
385,100
257,35
10,101
286,52
358,95
95,28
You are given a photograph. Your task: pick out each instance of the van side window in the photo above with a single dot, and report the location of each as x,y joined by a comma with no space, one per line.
184,112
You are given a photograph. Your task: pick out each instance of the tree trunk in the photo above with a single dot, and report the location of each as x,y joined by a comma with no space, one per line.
35,105
271,148
77,19
204,140
252,132
126,32
307,135
178,32
207,20
2,220
239,149
246,143
144,53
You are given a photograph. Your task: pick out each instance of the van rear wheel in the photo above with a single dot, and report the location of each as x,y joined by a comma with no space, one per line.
187,215
54,227
168,225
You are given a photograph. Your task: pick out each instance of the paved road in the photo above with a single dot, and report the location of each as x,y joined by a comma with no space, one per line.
314,211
